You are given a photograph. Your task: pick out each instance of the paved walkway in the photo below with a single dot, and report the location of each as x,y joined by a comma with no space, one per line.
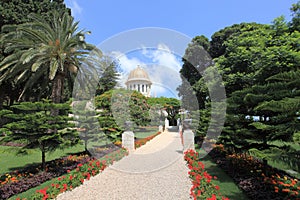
154,171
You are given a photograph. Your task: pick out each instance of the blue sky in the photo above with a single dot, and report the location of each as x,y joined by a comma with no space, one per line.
191,17
112,18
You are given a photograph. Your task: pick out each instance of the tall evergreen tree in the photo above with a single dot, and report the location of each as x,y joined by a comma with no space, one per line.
33,124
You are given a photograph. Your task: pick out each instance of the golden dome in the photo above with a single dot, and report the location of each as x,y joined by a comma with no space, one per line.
138,74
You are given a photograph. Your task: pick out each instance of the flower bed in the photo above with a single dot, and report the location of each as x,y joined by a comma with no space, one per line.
77,177
202,187
140,142
257,179
21,180
77,166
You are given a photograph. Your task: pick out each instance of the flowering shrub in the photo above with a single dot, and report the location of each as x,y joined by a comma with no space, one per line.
256,178
71,180
118,143
21,180
202,187
141,142
284,186
78,176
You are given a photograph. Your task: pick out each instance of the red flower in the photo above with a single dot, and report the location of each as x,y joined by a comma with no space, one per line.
88,176
98,164
213,197
199,193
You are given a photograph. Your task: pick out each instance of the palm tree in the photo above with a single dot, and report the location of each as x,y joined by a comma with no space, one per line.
50,51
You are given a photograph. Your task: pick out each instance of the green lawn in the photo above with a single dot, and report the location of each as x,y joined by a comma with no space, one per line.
9,161
227,186
145,132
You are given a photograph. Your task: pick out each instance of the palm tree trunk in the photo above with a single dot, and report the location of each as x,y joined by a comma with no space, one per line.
57,88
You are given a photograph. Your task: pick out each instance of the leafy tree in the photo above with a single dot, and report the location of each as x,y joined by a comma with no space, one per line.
139,109
242,59
218,40
43,48
17,11
33,124
120,106
195,61
170,105
200,89
295,22
261,78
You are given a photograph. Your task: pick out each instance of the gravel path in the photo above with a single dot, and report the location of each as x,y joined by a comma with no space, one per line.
154,171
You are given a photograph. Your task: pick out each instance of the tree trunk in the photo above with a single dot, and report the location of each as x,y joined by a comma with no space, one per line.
2,95
56,93
57,88
43,160
265,161
85,146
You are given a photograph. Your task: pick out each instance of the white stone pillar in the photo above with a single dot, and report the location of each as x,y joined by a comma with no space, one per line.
188,140
128,141
160,128
166,124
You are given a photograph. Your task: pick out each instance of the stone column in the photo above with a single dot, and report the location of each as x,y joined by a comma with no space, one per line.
166,124
128,140
160,128
188,140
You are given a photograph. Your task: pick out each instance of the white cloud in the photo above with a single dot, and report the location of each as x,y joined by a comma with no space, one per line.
164,80
126,64
163,56
75,7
